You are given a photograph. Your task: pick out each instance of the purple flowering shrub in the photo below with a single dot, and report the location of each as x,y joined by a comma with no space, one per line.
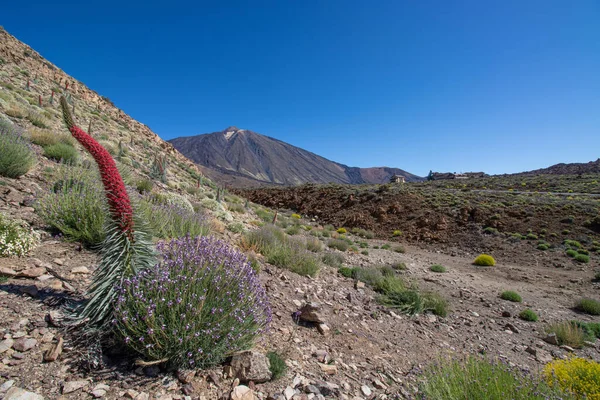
199,304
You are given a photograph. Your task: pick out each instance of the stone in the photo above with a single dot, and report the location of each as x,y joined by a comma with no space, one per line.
289,392
6,385
73,386
185,375
531,350
31,290
24,344
55,318
323,329
312,389
551,338
15,393
251,366
506,314
98,393
329,369
6,344
10,273
543,356
80,270
142,396
58,261
131,394
312,312
32,273
366,390
378,384
567,348
359,285
511,327
322,356
242,392
55,351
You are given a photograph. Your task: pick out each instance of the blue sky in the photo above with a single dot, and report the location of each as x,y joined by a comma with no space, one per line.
497,86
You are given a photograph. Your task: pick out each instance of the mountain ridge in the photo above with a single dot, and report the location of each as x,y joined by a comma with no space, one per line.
242,157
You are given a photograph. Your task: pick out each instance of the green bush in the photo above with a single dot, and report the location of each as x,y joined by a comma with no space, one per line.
511,296
346,272
437,268
144,186
16,237
293,230
338,244
364,252
543,246
572,243
45,137
582,258
341,231
277,365
334,260
313,244
397,233
236,227
588,306
568,333
477,378
295,216
281,250
386,246
76,206
484,260
571,253
400,249
16,156
528,315
199,305
172,219
62,152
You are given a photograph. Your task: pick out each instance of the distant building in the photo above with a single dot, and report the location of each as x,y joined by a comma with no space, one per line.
397,179
439,176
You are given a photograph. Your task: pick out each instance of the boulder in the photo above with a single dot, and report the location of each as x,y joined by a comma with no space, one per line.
251,366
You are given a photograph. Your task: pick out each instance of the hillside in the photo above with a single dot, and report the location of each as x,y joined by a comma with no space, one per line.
241,157
592,167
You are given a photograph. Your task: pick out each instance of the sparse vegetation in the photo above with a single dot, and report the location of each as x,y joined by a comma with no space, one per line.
484,260
334,260
511,296
528,315
588,306
16,156
16,237
277,365
478,378
338,244
567,333
437,268
62,152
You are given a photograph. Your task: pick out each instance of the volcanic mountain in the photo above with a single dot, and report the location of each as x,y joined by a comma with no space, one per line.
592,167
240,157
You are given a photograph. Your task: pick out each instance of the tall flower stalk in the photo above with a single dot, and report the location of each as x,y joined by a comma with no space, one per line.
125,251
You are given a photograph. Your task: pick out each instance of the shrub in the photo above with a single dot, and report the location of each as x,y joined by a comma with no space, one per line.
437,268
341,231
265,215
571,253
543,246
574,375
293,230
76,206
334,260
386,246
281,250
16,238
400,266
511,296
484,260
16,156
364,253
46,137
200,304
591,329
237,208
172,219
37,120
346,272
396,233
277,365
399,249
296,216
313,244
567,333
588,306
528,315
144,186
62,152
236,227
478,378
572,243
338,244
582,258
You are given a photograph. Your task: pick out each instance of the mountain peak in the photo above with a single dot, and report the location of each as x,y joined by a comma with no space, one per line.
258,159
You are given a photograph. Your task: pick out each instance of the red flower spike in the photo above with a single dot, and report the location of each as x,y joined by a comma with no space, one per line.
116,193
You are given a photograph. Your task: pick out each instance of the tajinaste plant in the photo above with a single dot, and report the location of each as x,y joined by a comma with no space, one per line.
200,304
125,251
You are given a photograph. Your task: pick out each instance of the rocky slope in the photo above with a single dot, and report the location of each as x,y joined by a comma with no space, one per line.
241,157
592,167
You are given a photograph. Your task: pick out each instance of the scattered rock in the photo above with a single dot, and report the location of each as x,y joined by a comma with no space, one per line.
15,393
506,314
72,386
32,273
6,344
251,366
366,390
329,369
186,375
289,392
312,312
551,338
55,351
6,385
7,272
242,392
323,329
80,270
24,344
